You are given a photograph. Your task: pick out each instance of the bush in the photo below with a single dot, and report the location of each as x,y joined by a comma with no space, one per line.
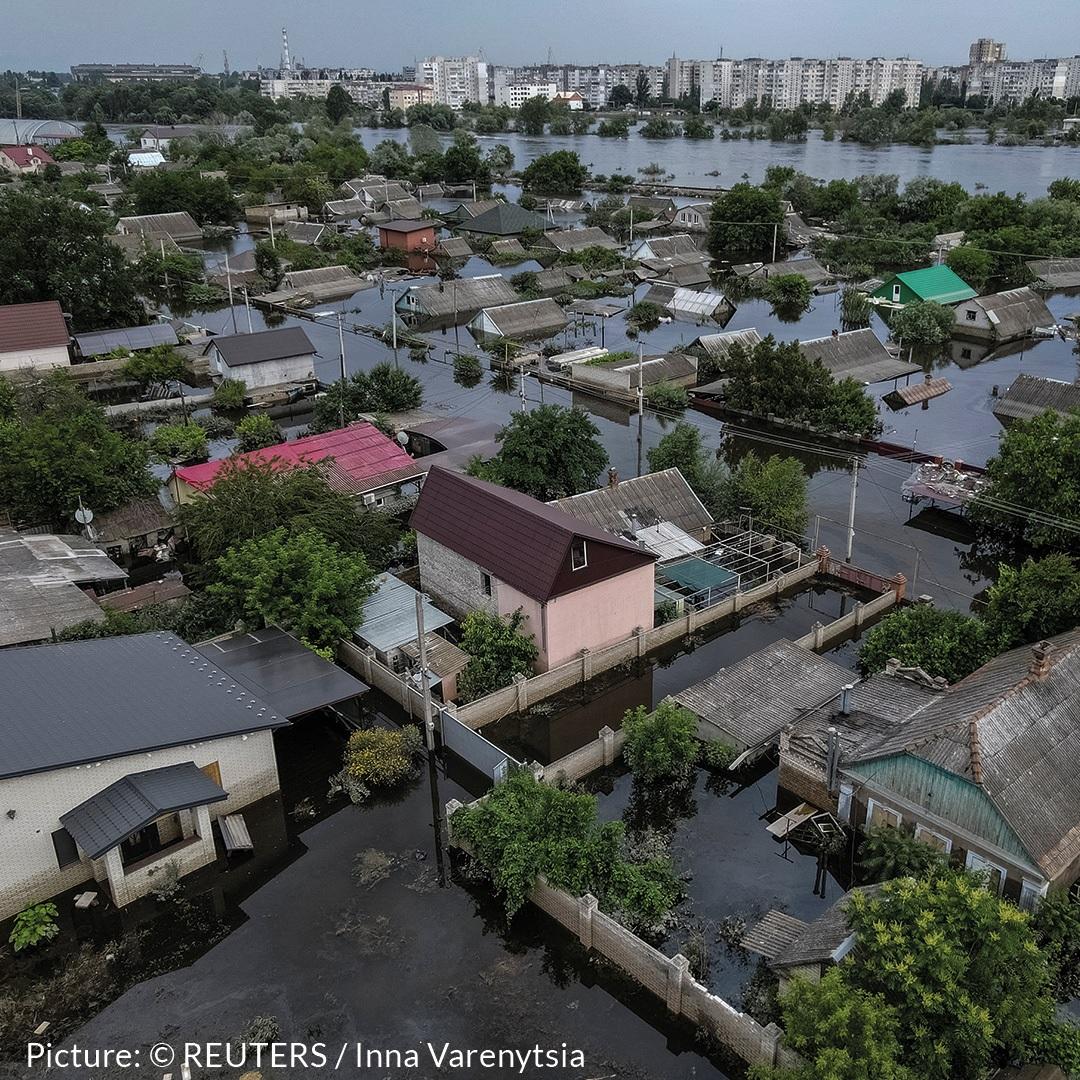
889,853
645,315
256,432
34,925
660,745
922,323
467,369
718,755
229,394
379,758
667,396
498,651
1057,931
172,443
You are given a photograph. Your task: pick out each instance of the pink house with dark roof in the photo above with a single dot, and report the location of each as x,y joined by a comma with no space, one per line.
358,460
490,548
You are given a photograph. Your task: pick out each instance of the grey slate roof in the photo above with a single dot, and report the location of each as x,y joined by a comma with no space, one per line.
1031,396
135,518
86,701
454,247
663,247
505,219
752,701
129,337
578,239
304,232
180,225
635,504
858,355
285,674
390,615
717,345
133,802
1056,273
240,349
1013,313
462,295
1013,736
321,275
808,268
824,940
523,319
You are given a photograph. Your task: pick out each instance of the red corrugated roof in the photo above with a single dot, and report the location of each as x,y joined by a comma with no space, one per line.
32,326
360,453
521,541
27,156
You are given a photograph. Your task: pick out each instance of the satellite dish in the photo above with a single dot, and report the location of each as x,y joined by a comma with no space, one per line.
84,515
402,437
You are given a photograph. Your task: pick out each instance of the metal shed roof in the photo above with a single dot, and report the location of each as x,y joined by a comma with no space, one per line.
858,355
938,283
390,615
284,673
129,337
1031,396
87,701
133,802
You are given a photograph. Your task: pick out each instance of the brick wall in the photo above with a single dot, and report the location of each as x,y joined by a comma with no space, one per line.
28,869
452,580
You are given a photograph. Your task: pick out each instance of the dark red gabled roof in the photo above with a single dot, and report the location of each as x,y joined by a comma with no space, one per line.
32,326
27,156
517,539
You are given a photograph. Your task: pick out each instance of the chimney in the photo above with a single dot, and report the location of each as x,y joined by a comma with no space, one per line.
613,477
1040,660
892,666
832,761
845,699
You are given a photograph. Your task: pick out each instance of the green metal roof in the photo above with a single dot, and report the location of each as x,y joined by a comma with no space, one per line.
937,283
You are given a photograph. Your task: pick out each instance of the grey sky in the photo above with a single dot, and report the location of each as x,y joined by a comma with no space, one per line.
57,33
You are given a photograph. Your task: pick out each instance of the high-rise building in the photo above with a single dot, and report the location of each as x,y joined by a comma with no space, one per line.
455,79
986,51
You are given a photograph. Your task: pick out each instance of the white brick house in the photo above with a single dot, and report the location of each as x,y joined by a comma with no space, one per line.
115,756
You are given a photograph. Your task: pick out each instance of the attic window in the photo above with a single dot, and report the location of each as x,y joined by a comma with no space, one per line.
578,555
970,315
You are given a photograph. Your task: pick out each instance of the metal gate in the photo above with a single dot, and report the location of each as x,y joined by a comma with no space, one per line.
474,748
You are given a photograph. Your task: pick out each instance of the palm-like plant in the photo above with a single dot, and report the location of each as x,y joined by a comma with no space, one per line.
888,853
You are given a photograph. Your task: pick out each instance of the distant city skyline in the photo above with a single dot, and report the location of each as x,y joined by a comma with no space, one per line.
54,34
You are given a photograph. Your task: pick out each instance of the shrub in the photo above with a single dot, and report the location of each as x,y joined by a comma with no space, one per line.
889,853
229,394
1057,931
645,315
378,758
467,369
256,432
662,744
718,755
179,442
498,651
667,396
34,925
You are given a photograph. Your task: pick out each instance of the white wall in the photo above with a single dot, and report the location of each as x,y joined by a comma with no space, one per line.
269,372
51,357
28,867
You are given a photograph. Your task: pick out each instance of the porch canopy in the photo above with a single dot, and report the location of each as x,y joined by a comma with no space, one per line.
108,818
283,672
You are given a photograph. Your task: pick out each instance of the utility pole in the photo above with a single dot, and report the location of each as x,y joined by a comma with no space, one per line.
341,346
273,242
228,279
775,230
247,304
640,404
851,507
429,727
521,388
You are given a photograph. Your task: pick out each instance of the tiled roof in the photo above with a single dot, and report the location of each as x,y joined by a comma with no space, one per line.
522,542
27,156
32,326
361,454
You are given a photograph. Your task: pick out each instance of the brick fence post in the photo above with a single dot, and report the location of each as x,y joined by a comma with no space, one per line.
677,969
640,632
451,806
587,905
607,742
823,558
899,584
586,665
521,683
860,615
365,663
819,635
770,1043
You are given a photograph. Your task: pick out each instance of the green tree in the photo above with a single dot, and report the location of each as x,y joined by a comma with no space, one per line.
1057,930
1037,467
54,250
742,220
660,745
620,97
959,966
942,643
462,160
659,127
642,89
889,853
972,264
256,432
298,581
773,488
154,369
697,127
499,159
840,1032
207,200
383,389
180,442
788,293
1037,600
681,448
498,650
338,104
560,172
548,453
614,127
922,323
533,114
57,446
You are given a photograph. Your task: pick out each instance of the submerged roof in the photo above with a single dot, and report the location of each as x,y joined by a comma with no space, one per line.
505,219
38,325
134,801
389,619
578,239
1031,396
630,505
461,295
526,318
519,540
1057,273
281,344
86,701
361,454
938,283
663,247
180,225
719,345
807,267
858,355
291,678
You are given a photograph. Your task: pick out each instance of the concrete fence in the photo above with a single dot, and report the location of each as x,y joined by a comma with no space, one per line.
604,750
667,978
825,634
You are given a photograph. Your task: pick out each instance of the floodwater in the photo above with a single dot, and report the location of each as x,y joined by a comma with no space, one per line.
560,725
1013,169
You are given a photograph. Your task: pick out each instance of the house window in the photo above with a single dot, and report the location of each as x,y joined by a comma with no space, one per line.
995,875
578,555
877,815
969,314
896,294
64,846
485,583
1031,894
140,844
935,840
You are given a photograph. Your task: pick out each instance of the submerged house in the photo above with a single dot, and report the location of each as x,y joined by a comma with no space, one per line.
1003,316
934,283
858,355
565,241
986,771
1030,396
483,547
178,226
455,301
619,374
504,219
523,320
266,358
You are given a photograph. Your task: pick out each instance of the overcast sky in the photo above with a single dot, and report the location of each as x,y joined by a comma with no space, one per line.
55,34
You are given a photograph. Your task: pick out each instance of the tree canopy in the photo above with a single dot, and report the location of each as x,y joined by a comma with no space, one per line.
560,172
548,453
1036,600
208,200
383,389
772,488
661,745
759,208
498,650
